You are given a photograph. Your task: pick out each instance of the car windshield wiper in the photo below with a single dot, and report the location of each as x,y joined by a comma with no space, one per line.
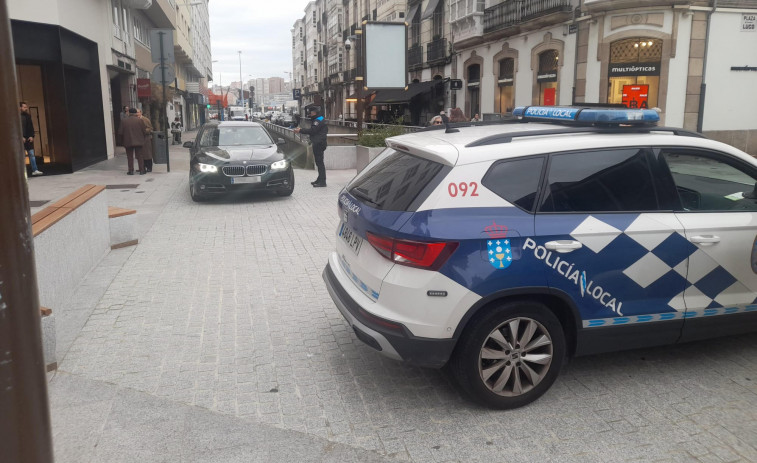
363,195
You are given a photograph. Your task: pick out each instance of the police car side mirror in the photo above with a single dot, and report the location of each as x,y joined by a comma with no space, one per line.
188,144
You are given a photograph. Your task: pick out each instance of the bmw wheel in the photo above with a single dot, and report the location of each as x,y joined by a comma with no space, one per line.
510,356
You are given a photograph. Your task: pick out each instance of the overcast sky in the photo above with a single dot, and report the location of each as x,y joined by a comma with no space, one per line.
261,29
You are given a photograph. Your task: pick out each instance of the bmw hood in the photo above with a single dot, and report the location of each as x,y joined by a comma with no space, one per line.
244,153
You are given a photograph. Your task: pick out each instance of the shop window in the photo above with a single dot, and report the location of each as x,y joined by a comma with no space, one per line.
505,85
474,89
634,72
546,78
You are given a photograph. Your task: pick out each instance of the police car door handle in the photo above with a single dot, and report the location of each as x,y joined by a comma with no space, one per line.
705,239
563,246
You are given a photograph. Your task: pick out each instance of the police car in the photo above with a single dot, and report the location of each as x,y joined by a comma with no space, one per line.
501,250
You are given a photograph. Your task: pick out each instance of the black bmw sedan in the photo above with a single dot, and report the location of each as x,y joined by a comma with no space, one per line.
230,156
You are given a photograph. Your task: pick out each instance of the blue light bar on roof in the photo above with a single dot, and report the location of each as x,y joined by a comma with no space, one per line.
587,115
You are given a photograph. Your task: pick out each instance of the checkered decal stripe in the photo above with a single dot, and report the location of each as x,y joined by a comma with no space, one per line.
655,258
668,316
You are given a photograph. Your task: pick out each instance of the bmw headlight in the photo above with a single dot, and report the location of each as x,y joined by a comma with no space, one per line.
207,168
279,165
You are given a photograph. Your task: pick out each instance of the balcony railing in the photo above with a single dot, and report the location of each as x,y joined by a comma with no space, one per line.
415,57
514,12
436,50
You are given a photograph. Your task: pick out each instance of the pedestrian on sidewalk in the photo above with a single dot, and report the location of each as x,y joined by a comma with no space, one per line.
147,147
318,131
133,132
176,131
457,115
27,132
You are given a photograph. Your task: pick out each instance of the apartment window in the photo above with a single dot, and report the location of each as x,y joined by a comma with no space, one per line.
438,19
116,14
141,33
415,27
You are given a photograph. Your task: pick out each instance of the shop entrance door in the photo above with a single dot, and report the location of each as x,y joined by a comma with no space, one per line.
31,90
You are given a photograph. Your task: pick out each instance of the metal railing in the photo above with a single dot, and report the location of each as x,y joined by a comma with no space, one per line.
415,56
436,50
514,12
371,125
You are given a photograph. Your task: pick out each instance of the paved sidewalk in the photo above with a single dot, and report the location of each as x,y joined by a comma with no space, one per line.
215,339
148,194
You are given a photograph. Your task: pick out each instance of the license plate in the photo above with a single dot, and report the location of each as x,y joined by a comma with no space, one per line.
350,238
245,179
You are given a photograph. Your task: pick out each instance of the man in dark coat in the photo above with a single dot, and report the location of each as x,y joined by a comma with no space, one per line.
317,131
147,147
133,131
27,132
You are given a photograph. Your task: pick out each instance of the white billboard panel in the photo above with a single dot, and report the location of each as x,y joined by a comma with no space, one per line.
385,54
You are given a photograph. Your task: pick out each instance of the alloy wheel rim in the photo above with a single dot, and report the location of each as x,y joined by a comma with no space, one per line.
515,357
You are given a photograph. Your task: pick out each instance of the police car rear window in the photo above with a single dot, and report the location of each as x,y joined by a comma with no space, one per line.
394,183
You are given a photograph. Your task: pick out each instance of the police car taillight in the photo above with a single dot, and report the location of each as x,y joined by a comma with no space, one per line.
429,256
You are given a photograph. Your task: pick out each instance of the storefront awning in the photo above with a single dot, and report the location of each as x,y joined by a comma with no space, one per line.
353,96
399,96
430,8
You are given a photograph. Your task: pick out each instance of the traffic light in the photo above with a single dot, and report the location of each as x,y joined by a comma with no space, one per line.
208,106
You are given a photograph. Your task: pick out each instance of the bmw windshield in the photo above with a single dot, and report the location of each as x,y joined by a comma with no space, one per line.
231,136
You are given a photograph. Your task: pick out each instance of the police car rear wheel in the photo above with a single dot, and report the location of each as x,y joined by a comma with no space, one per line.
510,356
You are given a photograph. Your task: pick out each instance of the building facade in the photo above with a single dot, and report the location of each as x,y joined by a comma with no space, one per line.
62,50
686,58
80,61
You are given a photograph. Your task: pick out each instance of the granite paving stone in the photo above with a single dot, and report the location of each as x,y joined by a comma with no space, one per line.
220,316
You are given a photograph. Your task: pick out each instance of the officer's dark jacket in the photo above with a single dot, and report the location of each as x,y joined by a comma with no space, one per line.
317,131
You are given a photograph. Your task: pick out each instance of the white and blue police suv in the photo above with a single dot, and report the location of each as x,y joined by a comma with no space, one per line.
500,250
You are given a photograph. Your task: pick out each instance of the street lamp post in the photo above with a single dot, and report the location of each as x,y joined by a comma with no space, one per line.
241,86
359,78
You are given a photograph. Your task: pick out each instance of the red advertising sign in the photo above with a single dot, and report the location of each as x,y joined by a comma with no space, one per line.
143,88
636,96
549,96
213,99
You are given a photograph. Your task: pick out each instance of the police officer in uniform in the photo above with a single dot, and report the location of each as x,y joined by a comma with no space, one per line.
317,131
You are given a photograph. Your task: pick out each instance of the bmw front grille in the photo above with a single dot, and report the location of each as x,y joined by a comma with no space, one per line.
256,170
233,171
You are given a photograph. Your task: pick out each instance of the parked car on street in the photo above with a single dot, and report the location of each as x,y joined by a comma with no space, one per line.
499,250
232,156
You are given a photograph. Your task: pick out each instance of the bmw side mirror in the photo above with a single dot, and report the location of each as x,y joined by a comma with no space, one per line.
281,141
188,144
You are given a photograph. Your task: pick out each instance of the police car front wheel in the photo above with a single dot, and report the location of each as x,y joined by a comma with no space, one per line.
510,355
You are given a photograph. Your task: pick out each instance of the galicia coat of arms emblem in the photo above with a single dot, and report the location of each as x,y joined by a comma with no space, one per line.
498,246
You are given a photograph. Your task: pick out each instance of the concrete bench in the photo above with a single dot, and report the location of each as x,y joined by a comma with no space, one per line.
48,339
123,227
71,236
